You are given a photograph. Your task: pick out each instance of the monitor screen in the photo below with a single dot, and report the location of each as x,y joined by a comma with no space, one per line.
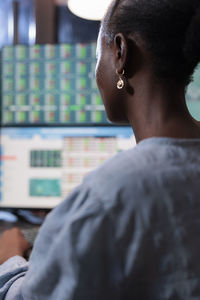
50,85
40,166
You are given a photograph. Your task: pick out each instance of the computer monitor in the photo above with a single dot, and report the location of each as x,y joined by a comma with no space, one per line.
41,166
55,128
46,85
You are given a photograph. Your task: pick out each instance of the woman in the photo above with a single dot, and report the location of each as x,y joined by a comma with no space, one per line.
132,229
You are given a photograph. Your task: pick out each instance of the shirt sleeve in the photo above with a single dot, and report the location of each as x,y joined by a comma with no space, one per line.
12,273
72,255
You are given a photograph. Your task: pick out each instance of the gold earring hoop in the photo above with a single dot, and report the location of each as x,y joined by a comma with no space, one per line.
120,83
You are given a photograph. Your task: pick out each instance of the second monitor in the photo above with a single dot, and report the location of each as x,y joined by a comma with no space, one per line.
41,166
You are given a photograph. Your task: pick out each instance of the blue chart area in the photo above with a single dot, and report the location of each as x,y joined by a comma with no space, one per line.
193,95
45,188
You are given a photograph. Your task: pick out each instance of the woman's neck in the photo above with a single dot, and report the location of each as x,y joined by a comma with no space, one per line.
159,110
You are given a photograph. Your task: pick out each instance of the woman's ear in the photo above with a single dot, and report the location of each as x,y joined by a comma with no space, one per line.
120,49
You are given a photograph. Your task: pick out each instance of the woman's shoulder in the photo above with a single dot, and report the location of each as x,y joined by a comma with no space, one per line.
148,159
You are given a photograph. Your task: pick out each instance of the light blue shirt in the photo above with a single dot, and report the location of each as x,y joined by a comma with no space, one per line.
130,231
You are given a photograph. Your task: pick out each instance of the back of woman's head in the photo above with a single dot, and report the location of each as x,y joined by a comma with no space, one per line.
169,28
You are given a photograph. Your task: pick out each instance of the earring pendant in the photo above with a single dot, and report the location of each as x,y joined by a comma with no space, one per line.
120,84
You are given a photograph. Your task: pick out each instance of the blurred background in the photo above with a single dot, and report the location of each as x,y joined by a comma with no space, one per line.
41,22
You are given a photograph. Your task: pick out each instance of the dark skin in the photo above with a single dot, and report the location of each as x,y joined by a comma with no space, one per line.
12,242
153,108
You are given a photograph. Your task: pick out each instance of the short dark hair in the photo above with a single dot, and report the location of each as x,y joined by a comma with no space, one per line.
169,28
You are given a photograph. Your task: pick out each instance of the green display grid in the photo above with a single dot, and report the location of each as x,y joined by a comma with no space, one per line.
50,84
45,159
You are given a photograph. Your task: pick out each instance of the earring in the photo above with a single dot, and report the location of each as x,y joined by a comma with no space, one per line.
120,83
